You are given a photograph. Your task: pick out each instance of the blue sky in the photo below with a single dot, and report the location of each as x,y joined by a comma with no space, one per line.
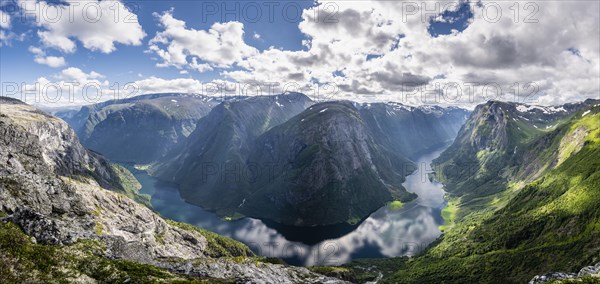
366,50
17,64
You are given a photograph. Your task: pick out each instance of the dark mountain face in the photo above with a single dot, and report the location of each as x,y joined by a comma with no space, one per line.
327,169
273,159
210,167
140,129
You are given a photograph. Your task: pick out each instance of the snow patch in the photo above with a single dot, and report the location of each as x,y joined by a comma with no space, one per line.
586,112
546,110
323,110
399,106
174,101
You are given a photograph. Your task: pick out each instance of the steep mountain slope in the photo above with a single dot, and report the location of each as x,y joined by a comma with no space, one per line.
412,130
534,221
140,129
327,168
59,223
500,142
59,148
212,163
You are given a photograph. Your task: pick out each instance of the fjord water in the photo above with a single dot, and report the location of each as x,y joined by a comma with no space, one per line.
388,232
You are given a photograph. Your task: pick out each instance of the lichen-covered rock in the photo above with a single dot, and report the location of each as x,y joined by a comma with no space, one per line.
590,270
592,273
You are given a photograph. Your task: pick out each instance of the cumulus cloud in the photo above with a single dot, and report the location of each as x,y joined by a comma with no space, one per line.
78,75
98,25
376,50
69,86
73,86
220,46
41,58
160,85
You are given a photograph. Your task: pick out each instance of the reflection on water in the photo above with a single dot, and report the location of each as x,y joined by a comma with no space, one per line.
386,233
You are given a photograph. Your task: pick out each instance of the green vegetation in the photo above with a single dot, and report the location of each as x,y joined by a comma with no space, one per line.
449,215
395,205
130,185
98,228
217,245
363,270
550,224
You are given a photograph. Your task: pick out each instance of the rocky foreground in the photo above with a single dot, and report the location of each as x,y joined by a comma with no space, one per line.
67,215
591,274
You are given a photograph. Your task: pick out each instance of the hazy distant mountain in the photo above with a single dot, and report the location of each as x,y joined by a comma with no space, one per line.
412,130
139,129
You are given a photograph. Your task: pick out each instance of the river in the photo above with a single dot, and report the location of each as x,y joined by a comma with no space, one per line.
388,232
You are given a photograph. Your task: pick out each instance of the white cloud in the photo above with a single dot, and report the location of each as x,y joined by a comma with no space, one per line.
98,25
159,85
503,53
70,86
256,35
78,75
220,46
41,58
4,20
73,86
52,61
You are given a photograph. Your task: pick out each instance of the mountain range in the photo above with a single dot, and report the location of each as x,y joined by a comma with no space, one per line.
285,157
523,186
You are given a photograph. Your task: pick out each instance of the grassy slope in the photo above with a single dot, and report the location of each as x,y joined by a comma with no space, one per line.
552,224
217,245
127,184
